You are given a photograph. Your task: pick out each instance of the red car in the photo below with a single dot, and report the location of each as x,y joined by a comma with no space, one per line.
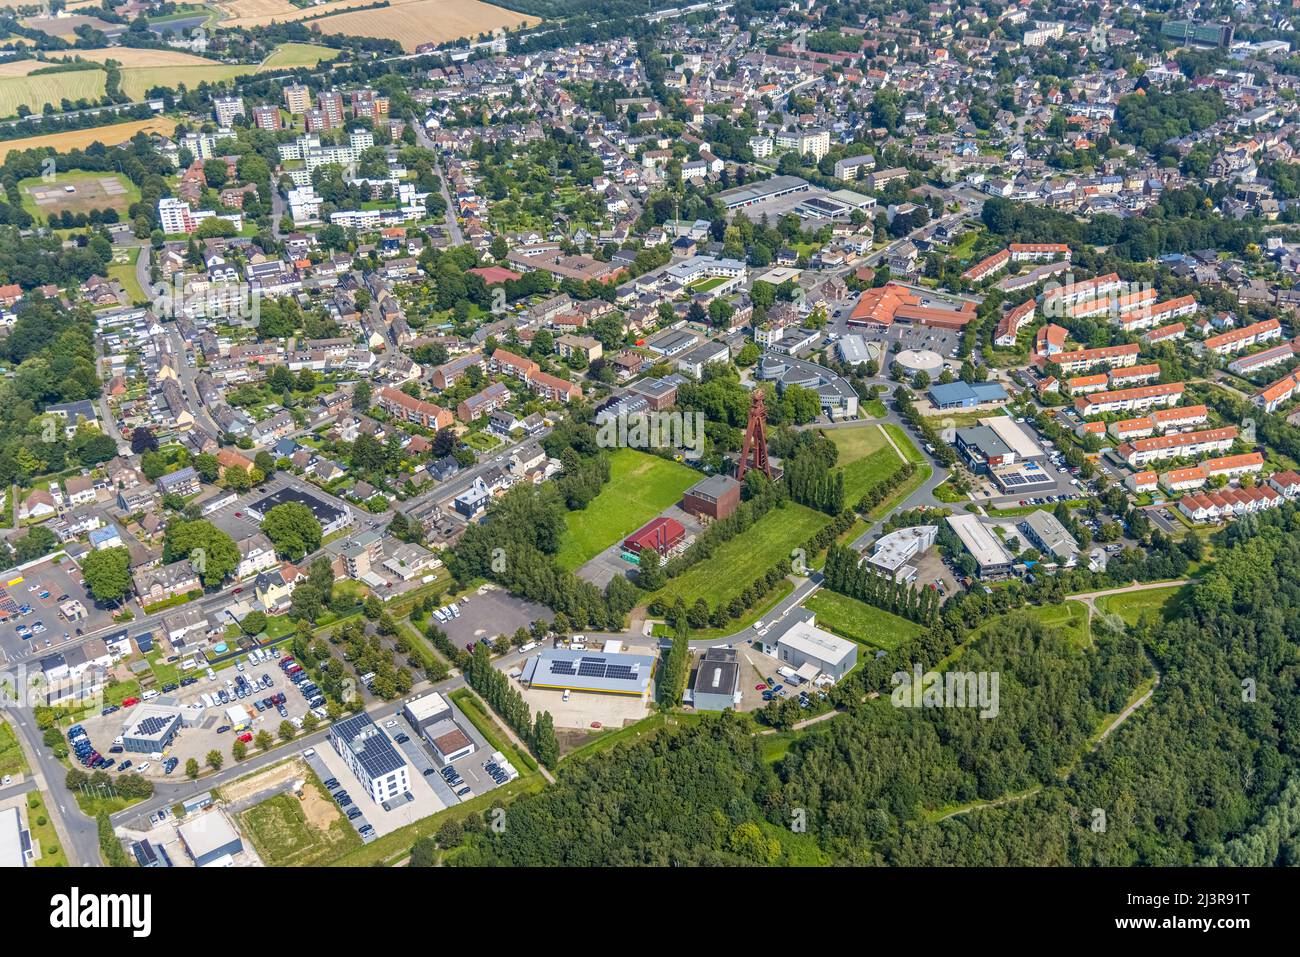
246,737
760,687
130,702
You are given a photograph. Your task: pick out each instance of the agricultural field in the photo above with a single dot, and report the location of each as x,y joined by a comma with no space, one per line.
735,565
137,81
411,22
426,21
53,88
90,191
291,832
65,27
860,622
132,57
865,456
640,487
80,139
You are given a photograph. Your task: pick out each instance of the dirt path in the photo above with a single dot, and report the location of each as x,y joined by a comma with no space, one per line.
1089,598
890,439
1128,712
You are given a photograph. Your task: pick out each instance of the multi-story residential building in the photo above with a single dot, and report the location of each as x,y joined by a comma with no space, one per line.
297,99
227,109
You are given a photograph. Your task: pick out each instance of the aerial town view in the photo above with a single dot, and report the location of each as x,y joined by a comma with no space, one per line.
586,433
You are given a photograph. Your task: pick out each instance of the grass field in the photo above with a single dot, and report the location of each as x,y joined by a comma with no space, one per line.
92,191
1131,606
125,274
51,88
640,487
137,81
284,836
132,57
12,760
1070,617
905,443
860,622
80,139
865,456
43,833
735,565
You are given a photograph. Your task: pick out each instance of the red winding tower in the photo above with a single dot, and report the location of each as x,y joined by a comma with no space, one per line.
753,451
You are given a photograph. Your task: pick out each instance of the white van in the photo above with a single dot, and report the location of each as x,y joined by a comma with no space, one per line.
150,694
528,647
566,694
212,675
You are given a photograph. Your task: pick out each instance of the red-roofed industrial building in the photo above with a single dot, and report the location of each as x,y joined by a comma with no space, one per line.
661,535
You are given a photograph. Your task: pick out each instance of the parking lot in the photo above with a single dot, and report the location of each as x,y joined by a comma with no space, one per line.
491,612
42,589
401,812
421,758
609,563
196,741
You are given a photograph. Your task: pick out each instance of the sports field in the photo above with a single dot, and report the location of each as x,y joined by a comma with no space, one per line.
80,139
735,565
860,622
640,487
866,457
89,191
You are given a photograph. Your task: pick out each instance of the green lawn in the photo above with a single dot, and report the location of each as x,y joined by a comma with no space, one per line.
125,274
736,564
12,760
1070,617
875,408
279,829
865,456
43,833
860,622
1131,606
640,487
905,443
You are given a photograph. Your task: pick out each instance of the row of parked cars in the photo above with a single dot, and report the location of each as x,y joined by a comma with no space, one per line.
447,612
85,752
455,781
344,801
298,675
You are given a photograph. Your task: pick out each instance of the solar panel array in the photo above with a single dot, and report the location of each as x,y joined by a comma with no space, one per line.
152,725
589,667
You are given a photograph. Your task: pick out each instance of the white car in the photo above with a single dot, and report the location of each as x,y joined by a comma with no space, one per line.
142,767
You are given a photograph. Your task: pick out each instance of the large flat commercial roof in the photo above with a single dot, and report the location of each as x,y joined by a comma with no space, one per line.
325,512
427,706
1015,435
754,192
592,671
1052,534
800,632
979,540
206,833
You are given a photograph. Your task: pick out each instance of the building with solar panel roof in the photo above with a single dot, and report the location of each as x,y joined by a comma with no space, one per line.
371,756
599,672
151,728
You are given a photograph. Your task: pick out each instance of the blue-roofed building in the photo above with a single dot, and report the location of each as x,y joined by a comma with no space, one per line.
962,395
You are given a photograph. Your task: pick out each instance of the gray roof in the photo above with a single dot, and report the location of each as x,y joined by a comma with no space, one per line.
616,673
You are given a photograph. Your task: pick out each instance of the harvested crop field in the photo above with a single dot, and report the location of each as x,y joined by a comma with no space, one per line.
21,67
80,139
52,88
411,22
138,80
131,57
65,26
426,21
